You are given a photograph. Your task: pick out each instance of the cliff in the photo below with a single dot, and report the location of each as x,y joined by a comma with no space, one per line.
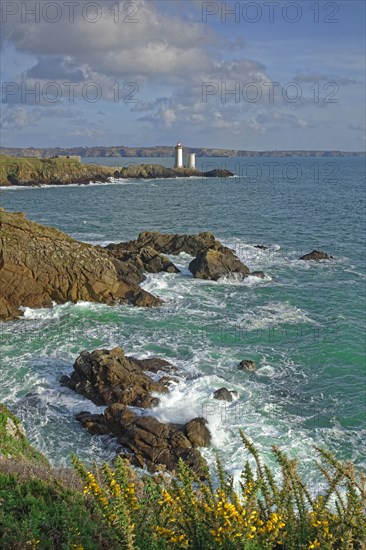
40,265
55,171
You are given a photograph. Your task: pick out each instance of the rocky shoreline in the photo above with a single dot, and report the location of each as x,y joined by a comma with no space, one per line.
41,266
34,172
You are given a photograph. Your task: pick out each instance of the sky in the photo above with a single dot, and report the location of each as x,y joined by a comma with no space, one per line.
254,75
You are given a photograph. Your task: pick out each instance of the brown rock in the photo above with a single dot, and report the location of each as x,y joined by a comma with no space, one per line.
107,377
136,260
173,244
40,265
248,364
212,264
223,394
150,442
197,432
316,255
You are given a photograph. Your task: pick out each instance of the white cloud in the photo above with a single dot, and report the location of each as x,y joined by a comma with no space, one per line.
18,118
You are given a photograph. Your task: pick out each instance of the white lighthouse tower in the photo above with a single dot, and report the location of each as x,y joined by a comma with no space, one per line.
178,155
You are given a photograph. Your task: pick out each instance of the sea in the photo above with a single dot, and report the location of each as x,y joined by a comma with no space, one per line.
303,324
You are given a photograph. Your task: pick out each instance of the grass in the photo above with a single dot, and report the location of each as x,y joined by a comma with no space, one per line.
13,442
40,506
16,170
118,508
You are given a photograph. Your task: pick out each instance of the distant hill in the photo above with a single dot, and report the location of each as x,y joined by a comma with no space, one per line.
164,151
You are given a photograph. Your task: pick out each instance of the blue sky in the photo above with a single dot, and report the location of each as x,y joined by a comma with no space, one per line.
271,75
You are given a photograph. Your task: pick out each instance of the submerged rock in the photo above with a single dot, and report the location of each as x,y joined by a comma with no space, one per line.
259,274
40,265
149,442
248,365
223,394
316,255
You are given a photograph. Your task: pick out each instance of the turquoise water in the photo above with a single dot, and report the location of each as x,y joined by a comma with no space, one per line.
304,324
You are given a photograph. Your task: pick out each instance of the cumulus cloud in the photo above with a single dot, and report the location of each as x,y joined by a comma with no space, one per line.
166,54
276,119
18,118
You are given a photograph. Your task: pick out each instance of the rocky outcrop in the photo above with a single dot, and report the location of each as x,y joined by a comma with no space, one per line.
141,259
213,264
248,365
153,171
218,173
213,259
223,394
40,265
171,243
149,442
107,377
316,255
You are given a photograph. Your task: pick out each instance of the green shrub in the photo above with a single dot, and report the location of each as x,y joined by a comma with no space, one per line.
35,513
182,511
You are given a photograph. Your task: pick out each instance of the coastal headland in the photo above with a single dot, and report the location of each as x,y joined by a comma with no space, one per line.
31,171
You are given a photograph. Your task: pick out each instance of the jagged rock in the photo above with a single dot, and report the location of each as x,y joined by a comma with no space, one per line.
248,364
40,265
150,442
146,254
138,260
171,243
316,255
197,432
106,377
212,264
261,246
223,394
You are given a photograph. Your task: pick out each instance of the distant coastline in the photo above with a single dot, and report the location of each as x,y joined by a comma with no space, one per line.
165,151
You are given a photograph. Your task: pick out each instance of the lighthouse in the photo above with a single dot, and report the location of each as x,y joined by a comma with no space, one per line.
191,161
178,155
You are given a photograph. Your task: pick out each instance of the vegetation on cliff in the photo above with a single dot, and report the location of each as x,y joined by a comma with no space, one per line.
51,171
32,171
119,508
41,506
